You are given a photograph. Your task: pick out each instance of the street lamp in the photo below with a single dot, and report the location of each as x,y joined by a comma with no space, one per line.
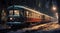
54,8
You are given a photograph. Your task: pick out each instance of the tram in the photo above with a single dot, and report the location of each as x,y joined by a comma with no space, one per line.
17,14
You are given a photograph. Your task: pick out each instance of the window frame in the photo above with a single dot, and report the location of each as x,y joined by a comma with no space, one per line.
13,13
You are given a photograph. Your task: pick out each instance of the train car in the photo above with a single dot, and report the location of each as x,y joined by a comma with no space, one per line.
17,14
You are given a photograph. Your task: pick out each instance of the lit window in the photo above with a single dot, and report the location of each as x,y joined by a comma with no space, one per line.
16,12
27,12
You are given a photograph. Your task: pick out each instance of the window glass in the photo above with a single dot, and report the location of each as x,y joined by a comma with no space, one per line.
27,13
16,12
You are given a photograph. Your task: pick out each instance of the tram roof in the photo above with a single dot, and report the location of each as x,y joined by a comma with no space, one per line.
15,7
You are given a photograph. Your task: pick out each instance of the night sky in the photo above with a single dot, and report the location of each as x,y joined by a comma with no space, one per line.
43,6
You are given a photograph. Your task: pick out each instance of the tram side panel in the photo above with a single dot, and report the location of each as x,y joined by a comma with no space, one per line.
33,17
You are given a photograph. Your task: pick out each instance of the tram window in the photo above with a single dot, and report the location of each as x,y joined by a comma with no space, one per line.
27,13
43,17
16,12
32,14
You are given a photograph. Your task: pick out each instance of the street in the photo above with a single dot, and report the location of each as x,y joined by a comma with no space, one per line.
42,28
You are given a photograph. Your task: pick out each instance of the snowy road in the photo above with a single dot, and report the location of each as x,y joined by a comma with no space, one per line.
42,28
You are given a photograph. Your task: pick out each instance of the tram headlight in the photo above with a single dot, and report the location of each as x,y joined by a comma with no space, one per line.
11,18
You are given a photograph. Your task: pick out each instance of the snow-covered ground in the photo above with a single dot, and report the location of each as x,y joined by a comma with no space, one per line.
52,27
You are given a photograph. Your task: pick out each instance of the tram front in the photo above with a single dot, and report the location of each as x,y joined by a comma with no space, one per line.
15,16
